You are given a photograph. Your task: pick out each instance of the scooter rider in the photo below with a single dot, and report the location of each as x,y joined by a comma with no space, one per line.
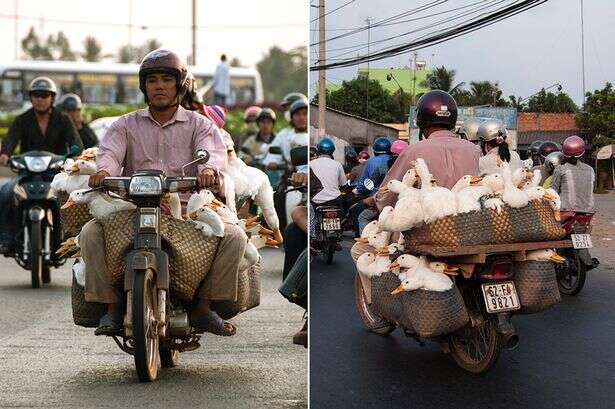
71,105
290,138
533,153
42,128
492,135
545,149
326,176
163,136
553,160
573,179
257,144
469,130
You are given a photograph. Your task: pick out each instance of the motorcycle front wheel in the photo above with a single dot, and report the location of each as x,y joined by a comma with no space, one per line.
571,275
36,253
145,326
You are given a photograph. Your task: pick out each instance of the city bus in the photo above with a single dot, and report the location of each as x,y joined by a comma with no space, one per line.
112,83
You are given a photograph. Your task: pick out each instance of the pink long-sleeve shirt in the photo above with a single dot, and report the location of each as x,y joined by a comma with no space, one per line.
136,142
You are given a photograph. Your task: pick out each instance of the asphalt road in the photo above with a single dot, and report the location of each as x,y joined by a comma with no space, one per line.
47,361
565,359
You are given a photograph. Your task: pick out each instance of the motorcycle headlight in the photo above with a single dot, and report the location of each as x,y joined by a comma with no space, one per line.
37,163
145,186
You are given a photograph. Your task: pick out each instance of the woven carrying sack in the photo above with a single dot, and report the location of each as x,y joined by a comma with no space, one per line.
536,284
248,294
190,253
85,314
74,217
385,304
534,222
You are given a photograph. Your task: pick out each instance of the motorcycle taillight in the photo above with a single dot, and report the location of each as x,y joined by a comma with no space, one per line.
331,215
498,271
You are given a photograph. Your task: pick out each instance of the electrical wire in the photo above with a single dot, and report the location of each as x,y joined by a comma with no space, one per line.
333,11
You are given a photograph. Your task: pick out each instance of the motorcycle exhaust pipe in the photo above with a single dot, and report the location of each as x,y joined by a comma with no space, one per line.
510,338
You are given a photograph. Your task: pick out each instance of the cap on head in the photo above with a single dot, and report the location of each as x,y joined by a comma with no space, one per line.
492,130
548,147
290,98
266,113
573,147
381,145
325,146
166,62
398,147
297,105
43,84
436,108
470,128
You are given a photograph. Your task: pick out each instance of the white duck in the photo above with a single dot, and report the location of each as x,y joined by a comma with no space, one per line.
544,255
443,268
58,184
555,202
100,205
424,277
378,240
370,229
175,205
436,202
79,175
532,181
519,177
208,222
407,263
535,192
512,195
371,265
465,182
405,215
79,271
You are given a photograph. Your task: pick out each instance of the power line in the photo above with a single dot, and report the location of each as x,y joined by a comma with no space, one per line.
440,38
334,10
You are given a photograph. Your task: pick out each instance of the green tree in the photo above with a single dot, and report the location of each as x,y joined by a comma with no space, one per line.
486,93
517,103
33,48
550,102
130,53
236,62
283,72
598,114
59,45
92,49
442,78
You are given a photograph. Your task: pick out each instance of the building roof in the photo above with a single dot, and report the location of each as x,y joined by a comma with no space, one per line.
404,76
337,111
526,138
537,121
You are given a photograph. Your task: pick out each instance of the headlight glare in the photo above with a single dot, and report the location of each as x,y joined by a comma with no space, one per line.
145,186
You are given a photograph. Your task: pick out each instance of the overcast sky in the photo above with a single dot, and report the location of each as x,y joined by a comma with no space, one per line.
243,29
524,53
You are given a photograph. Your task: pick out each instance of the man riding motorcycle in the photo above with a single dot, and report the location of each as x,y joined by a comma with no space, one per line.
256,145
41,128
71,105
545,149
163,136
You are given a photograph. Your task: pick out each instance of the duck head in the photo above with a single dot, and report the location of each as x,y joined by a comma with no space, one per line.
545,255
405,261
404,286
442,267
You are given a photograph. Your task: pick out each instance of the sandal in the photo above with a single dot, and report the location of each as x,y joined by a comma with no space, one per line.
107,326
211,322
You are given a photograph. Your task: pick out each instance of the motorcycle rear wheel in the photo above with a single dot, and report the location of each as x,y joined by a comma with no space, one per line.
36,253
371,320
571,277
145,331
476,348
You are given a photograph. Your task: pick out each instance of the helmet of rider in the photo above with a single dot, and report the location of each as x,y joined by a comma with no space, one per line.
363,156
297,105
266,113
534,147
398,147
492,130
552,160
313,152
548,147
573,147
43,84
192,94
216,114
325,146
470,128
70,102
290,98
251,113
381,146
436,107
167,62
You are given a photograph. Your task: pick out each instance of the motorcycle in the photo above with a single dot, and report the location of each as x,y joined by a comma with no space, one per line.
328,231
572,273
38,213
490,295
286,197
156,326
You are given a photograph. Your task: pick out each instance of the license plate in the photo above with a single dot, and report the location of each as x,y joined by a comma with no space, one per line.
331,224
581,241
500,297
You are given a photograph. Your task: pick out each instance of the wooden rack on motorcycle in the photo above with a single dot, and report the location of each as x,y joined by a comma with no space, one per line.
457,274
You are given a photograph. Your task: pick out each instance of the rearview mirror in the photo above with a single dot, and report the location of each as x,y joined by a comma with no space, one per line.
276,150
299,156
201,156
72,151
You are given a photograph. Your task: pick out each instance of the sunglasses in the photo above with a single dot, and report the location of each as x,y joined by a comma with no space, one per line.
43,95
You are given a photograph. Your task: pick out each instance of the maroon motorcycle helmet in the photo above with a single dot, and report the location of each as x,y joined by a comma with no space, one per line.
164,61
573,147
436,107
548,147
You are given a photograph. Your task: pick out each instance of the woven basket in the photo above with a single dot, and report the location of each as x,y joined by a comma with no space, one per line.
74,217
434,313
536,284
534,222
190,253
248,294
384,304
85,314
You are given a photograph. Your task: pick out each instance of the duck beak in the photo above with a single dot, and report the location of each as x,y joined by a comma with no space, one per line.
218,203
213,206
272,243
252,221
394,265
548,196
475,180
264,231
192,216
73,169
398,290
384,190
69,203
557,215
277,235
556,258
451,269
362,240
383,251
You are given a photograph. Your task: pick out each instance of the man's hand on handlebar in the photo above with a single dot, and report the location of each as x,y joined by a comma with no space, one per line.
4,159
370,203
299,179
206,178
96,180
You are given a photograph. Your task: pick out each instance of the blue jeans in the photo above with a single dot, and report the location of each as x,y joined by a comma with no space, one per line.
365,217
8,219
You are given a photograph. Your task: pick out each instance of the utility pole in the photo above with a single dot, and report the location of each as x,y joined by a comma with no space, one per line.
322,85
369,29
583,52
193,32
129,22
16,30
414,77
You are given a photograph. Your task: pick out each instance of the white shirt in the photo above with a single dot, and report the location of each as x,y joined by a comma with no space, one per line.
222,81
488,163
286,140
331,176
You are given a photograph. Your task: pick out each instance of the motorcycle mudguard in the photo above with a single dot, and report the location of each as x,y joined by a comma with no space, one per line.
587,259
138,260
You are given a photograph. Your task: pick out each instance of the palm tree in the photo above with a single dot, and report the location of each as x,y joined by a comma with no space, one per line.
441,78
486,93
